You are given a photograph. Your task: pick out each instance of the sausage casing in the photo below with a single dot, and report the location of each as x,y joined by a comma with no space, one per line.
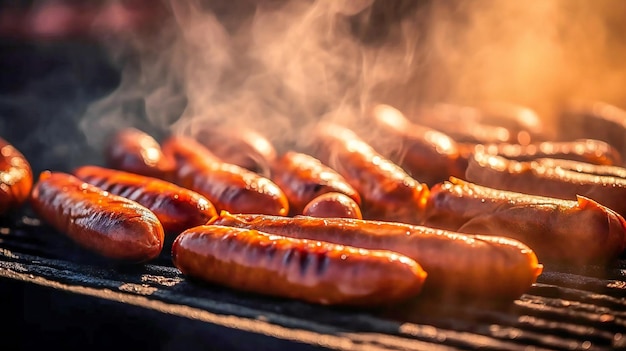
227,186
135,151
559,231
387,191
313,271
177,208
303,177
16,177
106,224
483,267
538,178
330,205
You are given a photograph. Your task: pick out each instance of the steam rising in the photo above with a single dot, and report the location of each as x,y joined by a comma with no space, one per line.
280,66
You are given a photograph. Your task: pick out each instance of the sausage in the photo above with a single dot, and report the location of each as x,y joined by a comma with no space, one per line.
583,167
16,177
241,146
176,208
424,153
135,151
312,271
303,177
227,186
582,150
523,123
458,265
536,178
595,120
103,223
387,191
333,205
559,231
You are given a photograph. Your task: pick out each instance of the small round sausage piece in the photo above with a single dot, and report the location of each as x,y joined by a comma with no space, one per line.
333,205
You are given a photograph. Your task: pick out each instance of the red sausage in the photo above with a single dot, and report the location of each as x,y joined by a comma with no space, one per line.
458,265
388,192
228,186
176,208
106,224
333,205
135,151
16,177
312,271
303,177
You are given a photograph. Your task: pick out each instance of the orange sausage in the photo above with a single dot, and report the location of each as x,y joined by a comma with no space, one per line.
106,224
135,151
16,177
303,177
312,271
176,208
576,232
458,265
387,191
227,186
333,205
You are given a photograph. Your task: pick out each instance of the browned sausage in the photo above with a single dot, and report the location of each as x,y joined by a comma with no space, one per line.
424,153
560,231
312,271
108,225
16,177
593,119
241,146
135,151
303,177
387,191
537,178
333,205
522,122
583,150
583,167
483,267
227,186
176,208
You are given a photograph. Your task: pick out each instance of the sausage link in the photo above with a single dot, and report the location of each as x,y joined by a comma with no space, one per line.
312,271
388,192
424,153
16,177
303,177
538,178
135,151
333,205
106,224
559,231
458,265
227,186
176,208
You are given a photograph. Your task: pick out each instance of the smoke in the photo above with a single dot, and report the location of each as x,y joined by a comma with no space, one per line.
280,66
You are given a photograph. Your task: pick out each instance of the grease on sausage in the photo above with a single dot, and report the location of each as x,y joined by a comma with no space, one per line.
16,177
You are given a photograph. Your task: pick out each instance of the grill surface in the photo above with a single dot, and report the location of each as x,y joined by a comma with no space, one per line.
69,297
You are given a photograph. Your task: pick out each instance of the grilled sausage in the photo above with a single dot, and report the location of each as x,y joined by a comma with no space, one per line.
387,191
559,231
303,177
106,224
16,177
593,119
241,146
135,151
583,167
536,178
227,186
333,205
522,122
458,265
176,208
312,271
583,150
424,153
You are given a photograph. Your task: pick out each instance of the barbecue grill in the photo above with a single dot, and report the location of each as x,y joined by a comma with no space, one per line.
53,294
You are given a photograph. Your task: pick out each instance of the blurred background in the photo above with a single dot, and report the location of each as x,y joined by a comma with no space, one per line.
72,72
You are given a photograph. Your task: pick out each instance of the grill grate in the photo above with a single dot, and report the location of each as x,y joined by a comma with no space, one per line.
563,311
